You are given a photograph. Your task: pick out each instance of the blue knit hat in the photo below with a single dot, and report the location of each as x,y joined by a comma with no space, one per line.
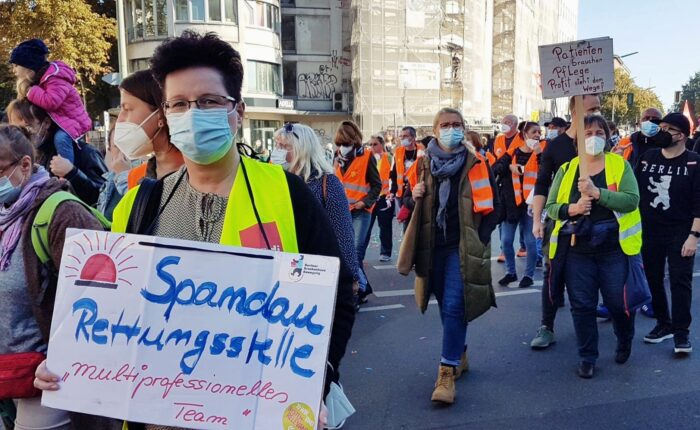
30,54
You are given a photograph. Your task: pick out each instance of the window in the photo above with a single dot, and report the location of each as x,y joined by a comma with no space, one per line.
230,11
289,38
263,77
262,132
208,11
139,64
197,7
290,78
146,18
214,10
265,15
181,10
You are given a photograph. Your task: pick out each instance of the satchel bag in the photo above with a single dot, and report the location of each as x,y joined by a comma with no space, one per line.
17,375
636,291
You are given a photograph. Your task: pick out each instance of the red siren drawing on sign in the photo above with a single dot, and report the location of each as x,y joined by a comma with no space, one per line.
101,267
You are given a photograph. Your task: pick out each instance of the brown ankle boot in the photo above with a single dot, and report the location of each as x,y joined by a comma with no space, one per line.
463,366
445,386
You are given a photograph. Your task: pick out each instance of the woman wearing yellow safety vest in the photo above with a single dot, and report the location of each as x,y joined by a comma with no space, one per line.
219,196
597,226
456,212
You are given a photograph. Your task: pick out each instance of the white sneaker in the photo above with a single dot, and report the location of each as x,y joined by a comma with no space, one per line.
384,258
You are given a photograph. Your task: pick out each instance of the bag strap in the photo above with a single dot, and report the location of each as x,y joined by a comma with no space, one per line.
324,186
146,206
42,221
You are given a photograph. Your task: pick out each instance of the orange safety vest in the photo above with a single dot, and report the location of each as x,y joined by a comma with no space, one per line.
627,147
403,175
482,193
136,174
384,167
355,179
499,146
529,176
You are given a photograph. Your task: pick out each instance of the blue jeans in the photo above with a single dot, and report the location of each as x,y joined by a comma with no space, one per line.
360,224
64,145
507,238
586,274
446,283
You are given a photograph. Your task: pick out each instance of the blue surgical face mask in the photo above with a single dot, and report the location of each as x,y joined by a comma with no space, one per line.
8,192
552,134
649,129
202,135
451,137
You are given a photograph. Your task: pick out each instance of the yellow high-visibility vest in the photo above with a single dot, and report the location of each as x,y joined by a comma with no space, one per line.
630,223
270,191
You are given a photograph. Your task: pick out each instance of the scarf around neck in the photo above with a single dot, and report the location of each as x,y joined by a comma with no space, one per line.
443,166
12,218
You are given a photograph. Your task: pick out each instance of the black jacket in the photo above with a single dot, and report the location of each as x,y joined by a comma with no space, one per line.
86,176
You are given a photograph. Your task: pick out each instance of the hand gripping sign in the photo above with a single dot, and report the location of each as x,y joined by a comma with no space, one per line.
190,334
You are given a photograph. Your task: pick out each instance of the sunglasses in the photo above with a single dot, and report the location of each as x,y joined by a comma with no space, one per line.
289,128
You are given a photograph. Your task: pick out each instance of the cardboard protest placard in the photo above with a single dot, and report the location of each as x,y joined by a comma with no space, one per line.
577,68
190,334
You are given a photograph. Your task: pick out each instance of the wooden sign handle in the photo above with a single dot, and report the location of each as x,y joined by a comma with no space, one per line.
580,136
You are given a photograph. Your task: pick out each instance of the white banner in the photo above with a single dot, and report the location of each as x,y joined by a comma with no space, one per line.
577,68
190,334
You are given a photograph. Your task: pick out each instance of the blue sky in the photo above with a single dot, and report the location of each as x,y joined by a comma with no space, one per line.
665,32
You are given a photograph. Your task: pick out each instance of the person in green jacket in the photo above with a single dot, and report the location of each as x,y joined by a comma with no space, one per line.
597,226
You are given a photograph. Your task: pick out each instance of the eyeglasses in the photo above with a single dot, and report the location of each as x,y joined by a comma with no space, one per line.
451,124
6,168
205,102
670,130
650,118
289,128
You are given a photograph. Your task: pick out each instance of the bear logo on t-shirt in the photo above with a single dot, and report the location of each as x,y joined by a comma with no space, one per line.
661,189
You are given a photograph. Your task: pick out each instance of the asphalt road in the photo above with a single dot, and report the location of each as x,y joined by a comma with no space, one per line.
392,361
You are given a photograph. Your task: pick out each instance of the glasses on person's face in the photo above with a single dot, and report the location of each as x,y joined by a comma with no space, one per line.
205,102
5,171
673,131
451,124
650,118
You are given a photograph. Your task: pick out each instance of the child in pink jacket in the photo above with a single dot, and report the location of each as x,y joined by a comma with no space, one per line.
52,89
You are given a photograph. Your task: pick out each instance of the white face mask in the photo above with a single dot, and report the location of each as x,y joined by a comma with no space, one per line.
596,113
595,145
346,150
405,142
377,157
279,156
505,128
132,140
532,143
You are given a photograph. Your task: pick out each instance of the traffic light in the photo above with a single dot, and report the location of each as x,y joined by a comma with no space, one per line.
630,100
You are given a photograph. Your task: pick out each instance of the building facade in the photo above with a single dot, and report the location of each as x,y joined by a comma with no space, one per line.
519,27
260,30
412,57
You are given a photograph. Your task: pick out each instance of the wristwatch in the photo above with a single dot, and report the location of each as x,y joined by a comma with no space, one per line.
695,233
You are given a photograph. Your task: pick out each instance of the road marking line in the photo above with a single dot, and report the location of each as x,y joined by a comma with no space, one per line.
385,267
397,293
381,308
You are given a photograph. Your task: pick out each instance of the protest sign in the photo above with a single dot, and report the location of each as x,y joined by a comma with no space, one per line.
190,334
577,68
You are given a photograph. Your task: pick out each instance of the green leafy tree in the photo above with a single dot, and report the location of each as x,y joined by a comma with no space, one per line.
691,92
72,30
616,101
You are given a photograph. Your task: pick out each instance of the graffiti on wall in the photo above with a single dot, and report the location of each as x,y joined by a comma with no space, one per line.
319,85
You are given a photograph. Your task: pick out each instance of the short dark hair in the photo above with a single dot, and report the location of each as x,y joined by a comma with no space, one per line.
192,49
525,126
410,130
600,121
